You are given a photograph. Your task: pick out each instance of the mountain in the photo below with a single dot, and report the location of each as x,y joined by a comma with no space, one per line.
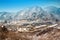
32,13
37,13
50,13
54,11
6,16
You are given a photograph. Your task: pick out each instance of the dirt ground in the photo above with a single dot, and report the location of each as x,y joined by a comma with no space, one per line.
45,34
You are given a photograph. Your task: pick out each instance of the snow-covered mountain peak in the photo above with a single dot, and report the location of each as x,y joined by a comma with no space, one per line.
28,13
33,13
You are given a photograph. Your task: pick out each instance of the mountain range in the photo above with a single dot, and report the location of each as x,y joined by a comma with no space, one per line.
33,13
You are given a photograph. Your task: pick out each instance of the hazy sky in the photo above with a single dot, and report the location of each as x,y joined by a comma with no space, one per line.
15,5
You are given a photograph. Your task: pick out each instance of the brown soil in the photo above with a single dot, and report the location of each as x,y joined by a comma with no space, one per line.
45,34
